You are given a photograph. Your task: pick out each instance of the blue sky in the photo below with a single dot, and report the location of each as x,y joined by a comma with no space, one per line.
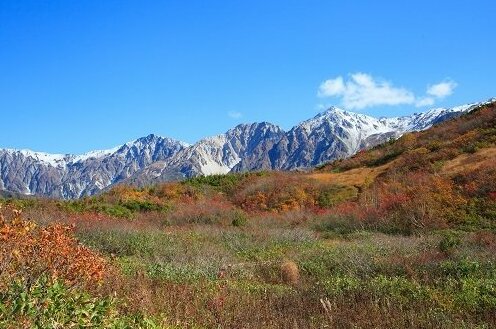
83,75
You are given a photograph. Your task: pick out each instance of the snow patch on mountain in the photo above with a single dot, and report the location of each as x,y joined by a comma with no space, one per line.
330,135
424,120
54,160
94,154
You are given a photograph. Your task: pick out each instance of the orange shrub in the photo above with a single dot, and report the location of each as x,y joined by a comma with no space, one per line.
480,182
408,202
278,192
28,251
175,191
417,159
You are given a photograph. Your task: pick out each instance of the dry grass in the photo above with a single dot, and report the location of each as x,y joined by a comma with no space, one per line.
274,271
354,177
290,272
285,250
468,162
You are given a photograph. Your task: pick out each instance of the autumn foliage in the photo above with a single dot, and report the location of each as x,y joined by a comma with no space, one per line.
399,236
29,251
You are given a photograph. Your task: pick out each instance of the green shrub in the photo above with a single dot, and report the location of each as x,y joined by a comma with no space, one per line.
449,241
331,195
385,158
470,148
72,206
460,269
398,289
342,284
222,183
142,206
20,203
437,166
239,219
337,224
180,274
46,304
96,205
476,294
113,210
125,243
434,145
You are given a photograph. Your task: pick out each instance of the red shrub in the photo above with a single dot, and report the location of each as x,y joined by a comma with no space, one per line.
28,251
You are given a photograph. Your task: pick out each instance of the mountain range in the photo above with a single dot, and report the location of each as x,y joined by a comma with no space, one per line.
330,135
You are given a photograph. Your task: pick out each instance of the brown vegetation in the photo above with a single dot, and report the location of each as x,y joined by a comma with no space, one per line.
401,236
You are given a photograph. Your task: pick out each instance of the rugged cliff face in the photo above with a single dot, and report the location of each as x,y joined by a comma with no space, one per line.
330,135
336,134
213,155
70,176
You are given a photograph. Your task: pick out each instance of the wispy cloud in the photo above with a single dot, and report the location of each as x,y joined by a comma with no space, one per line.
442,89
362,90
425,101
234,114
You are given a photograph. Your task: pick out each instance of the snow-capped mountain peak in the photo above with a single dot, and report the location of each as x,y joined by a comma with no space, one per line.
424,120
332,134
50,159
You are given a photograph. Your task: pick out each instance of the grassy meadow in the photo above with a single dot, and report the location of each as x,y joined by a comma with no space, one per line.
400,236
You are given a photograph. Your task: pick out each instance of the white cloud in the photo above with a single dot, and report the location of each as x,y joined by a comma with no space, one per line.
362,90
332,87
234,114
425,101
442,89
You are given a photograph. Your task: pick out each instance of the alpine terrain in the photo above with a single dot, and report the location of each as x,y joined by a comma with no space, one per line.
330,135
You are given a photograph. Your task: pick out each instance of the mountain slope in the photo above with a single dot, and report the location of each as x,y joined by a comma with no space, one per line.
463,143
336,134
214,155
330,135
70,176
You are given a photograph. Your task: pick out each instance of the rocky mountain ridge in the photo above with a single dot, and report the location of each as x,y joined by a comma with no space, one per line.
330,135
